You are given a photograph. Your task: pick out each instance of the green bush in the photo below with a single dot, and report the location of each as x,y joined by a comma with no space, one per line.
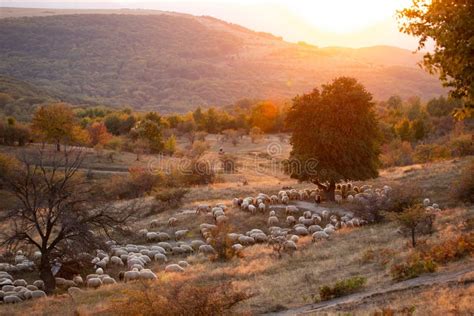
341,288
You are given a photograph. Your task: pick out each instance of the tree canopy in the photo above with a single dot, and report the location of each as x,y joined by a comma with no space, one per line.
450,23
334,135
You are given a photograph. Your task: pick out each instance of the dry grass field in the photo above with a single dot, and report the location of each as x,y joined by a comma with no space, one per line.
285,284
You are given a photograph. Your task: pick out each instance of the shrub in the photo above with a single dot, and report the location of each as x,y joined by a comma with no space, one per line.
136,184
414,266
431,152
463,188
462,145
415,219
341,288
452,249
221,242
171,197
197,172
179,297
374,209
397,153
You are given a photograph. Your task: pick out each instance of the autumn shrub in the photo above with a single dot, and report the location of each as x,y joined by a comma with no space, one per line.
397,153
171,197
197,172
451,249
221,242
381,256
413,266
463,188
137,183
462,145
179,297
431,152
341,288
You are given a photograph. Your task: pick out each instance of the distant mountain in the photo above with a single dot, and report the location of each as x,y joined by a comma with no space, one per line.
174,62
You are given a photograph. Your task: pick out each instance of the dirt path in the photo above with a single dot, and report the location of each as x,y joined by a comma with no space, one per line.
460,276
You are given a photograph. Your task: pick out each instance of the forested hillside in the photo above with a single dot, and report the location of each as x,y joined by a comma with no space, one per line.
174,62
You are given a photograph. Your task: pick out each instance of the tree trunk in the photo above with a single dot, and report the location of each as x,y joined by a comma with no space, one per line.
413,240
46,274
58,146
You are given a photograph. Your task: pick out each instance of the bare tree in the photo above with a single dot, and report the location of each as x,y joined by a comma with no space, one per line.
56,210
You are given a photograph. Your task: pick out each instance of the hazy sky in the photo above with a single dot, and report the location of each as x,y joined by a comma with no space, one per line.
354,23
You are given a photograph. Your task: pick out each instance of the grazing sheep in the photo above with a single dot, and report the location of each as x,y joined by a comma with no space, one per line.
12,299
320,235
78,280
262,207
196,243
338,198
99,271
207,249
172,221
314,228
294,238
272,221
290,246
252,209
203,208
272,213
329,230
174,268
290,220
301,231
131,275
285,199
350,198
180,234
163,236
39,284
426,202
291,210
20,282
237,247
94,283
37,294
108,280
274,199
307,214
246,240
160,257
116,261
183,264
154,223
147,274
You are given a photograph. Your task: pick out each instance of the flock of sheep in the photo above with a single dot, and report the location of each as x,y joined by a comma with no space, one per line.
133,260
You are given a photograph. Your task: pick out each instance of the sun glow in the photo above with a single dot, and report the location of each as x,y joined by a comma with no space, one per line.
344,16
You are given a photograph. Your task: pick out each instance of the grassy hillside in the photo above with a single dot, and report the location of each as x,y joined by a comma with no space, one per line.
173,62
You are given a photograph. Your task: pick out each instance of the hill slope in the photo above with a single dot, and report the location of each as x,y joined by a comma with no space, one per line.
172,62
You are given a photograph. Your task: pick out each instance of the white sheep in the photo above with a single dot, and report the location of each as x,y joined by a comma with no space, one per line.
203,208
272,213
180,234
183,264
272,221
108,280
131,275
252,209
262,207
77,279
285,199
291,210
37,294
426,202
94,283
301,231
174,268
147,274
12,299
290,220
206,249
320,235
160,257
172,221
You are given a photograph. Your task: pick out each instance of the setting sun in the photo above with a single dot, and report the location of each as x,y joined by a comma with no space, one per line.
344,16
